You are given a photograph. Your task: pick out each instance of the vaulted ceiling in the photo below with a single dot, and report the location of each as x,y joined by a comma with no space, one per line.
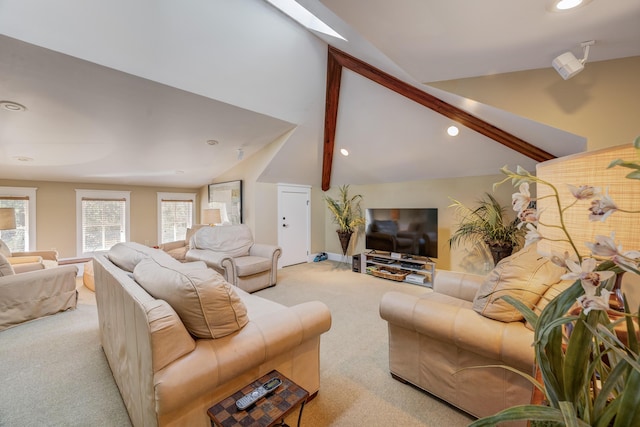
129,92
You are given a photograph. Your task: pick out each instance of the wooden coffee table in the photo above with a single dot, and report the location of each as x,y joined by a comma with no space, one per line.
270,410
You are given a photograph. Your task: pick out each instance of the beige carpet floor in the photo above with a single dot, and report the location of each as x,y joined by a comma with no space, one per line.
53,371
356,388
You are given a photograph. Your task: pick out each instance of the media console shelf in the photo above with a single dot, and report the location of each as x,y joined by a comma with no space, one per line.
416,270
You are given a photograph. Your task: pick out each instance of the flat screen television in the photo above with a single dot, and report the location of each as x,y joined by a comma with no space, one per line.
406,231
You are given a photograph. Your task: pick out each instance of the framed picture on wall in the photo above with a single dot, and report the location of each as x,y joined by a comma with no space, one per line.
227,196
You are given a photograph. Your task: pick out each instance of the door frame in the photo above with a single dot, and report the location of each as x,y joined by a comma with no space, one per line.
298,188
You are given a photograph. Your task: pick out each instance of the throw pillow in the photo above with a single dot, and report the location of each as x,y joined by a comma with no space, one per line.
525,275
207,304
232,240
127,255
4,249
5,267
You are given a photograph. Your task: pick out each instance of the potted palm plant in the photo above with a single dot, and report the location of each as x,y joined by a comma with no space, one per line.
487,224
347,214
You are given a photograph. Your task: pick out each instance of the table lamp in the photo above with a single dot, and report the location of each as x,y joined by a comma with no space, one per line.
211,217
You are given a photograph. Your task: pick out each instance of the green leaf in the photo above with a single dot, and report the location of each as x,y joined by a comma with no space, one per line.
525,412
628,414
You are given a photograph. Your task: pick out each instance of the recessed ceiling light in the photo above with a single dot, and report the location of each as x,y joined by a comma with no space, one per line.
212,142
565,5
344,152
453,130
12,106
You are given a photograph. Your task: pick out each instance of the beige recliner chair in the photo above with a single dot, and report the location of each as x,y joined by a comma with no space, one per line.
34,294
29,261
231,251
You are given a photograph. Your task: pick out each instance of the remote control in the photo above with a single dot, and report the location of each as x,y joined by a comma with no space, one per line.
250,398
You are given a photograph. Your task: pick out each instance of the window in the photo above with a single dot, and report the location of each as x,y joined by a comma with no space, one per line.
23,200
102,219
176,213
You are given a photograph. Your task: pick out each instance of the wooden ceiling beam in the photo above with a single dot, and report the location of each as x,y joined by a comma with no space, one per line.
338,60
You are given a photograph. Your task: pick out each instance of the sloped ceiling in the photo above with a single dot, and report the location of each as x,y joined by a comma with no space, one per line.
175,75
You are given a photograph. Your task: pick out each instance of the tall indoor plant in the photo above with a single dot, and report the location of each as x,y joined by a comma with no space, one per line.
590,374
487,223
347,214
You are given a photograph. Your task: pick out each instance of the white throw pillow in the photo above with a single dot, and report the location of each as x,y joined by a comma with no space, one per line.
5,267
127,255
4,249
207,304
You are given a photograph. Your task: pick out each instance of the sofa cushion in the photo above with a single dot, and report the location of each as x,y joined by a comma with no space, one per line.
5,267
4,249
525,275
248,265
207,304
127,255
232,240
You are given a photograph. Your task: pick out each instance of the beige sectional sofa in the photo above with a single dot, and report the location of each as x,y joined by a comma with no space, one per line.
198,340
436,336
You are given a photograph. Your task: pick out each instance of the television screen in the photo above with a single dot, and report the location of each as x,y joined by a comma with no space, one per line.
408,231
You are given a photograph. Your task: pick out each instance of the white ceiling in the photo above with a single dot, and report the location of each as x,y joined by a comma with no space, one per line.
132,98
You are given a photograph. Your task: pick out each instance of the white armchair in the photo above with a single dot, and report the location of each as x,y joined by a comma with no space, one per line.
231,251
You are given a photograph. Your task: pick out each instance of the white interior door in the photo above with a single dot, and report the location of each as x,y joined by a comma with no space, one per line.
294,222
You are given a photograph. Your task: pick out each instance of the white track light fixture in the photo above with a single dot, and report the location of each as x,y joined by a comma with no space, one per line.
567,65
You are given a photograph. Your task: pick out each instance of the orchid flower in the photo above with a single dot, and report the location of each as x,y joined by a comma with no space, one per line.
589,303
584,192
601,209
590,279
532,235
604,246
528,215
560,259
522,199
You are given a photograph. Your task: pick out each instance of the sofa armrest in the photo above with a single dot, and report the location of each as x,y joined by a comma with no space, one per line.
457,284
444,319
46,255
173,245
217,361
265,251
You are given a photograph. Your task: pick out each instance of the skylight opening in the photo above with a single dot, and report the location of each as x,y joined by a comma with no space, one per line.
304,17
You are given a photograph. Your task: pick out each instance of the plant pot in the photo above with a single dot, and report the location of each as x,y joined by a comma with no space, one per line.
499,252
345,238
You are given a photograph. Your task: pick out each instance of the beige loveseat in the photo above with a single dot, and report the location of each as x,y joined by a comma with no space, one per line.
433,337
34,294
197,341
231,251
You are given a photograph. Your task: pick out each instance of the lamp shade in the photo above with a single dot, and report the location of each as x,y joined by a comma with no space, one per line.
211,216
7,218
588,169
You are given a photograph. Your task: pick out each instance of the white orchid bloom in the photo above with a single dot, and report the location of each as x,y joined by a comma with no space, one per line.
521,200
532,235
604,246
593,302
528,215
590,279
601,209
584,192
560,259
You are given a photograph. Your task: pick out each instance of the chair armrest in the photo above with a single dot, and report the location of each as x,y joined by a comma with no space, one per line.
220,262
46,255
265,251
173,245
436,316
15,260
14,288
457,284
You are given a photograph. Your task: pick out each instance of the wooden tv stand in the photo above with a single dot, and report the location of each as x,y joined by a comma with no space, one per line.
416,270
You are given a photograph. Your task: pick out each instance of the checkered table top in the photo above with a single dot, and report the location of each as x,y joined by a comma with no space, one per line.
266,412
